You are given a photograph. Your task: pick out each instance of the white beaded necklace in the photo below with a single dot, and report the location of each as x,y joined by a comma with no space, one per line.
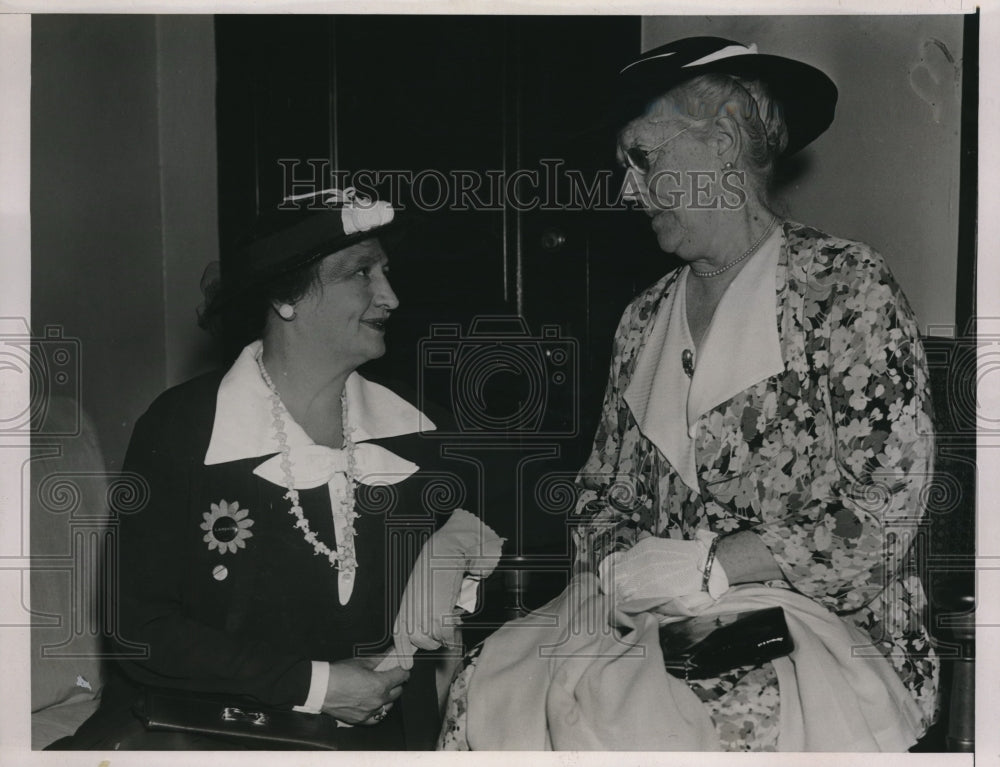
344,556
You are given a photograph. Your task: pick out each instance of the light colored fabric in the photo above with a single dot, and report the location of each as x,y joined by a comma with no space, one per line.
665,567
363,216
243,424
561,679
740,348
743,706
553,681
315,465
319,682
69,528
464,546
724,53
61,720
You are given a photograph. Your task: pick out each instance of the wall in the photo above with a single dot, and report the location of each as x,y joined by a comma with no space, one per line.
122,201
188,167
887,170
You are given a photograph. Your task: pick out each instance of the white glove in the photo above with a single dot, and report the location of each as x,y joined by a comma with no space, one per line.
463,546
662,568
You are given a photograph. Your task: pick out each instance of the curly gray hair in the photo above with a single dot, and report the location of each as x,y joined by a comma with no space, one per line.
749,103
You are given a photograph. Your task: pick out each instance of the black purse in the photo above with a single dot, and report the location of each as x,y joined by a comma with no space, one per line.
708,645
413,722
246,725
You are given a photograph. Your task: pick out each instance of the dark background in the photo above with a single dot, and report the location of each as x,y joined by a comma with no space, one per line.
523,367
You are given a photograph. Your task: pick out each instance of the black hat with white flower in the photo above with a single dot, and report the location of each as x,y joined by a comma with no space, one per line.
302,230
806,95
310,227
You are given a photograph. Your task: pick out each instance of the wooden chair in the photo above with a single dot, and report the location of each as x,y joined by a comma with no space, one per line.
948,566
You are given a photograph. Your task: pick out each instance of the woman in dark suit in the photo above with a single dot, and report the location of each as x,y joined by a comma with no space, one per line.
286,506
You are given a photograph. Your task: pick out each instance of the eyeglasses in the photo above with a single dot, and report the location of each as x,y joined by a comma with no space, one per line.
638,159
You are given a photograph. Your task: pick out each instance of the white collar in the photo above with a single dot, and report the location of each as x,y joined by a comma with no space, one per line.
740,348
243,429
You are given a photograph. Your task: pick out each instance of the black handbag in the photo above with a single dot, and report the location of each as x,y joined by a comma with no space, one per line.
413,722
707,645
247,724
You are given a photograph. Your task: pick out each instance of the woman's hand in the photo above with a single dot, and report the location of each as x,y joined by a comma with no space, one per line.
661,568
356,693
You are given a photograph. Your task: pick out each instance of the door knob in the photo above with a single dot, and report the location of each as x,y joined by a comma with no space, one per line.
553,238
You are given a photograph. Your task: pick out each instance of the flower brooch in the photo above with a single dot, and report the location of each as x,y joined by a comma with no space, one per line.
227,527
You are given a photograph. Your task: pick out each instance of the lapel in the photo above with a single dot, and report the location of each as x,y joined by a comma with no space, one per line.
243,425
743,347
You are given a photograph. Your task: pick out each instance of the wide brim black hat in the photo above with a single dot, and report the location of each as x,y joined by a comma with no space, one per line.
807,96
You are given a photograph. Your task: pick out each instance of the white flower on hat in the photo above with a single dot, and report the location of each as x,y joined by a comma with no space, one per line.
359,213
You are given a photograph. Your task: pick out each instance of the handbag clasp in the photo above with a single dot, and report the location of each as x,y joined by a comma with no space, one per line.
234,714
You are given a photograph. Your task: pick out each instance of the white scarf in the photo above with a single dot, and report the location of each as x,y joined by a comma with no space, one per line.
243,429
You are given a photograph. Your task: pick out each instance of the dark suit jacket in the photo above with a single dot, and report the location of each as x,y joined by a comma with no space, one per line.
253,633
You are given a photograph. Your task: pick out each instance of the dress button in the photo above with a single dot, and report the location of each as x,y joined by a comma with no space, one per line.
220,573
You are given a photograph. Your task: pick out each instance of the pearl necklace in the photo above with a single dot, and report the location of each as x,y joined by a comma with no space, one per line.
746,253
345,554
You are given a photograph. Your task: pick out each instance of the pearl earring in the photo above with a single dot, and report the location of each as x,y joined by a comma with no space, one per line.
286,311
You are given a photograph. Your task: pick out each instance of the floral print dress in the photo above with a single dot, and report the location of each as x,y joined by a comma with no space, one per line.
826,462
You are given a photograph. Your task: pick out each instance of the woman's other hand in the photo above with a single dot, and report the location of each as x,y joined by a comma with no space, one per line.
356,693
660,568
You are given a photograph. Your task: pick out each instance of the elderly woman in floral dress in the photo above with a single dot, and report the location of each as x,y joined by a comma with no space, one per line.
764,440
